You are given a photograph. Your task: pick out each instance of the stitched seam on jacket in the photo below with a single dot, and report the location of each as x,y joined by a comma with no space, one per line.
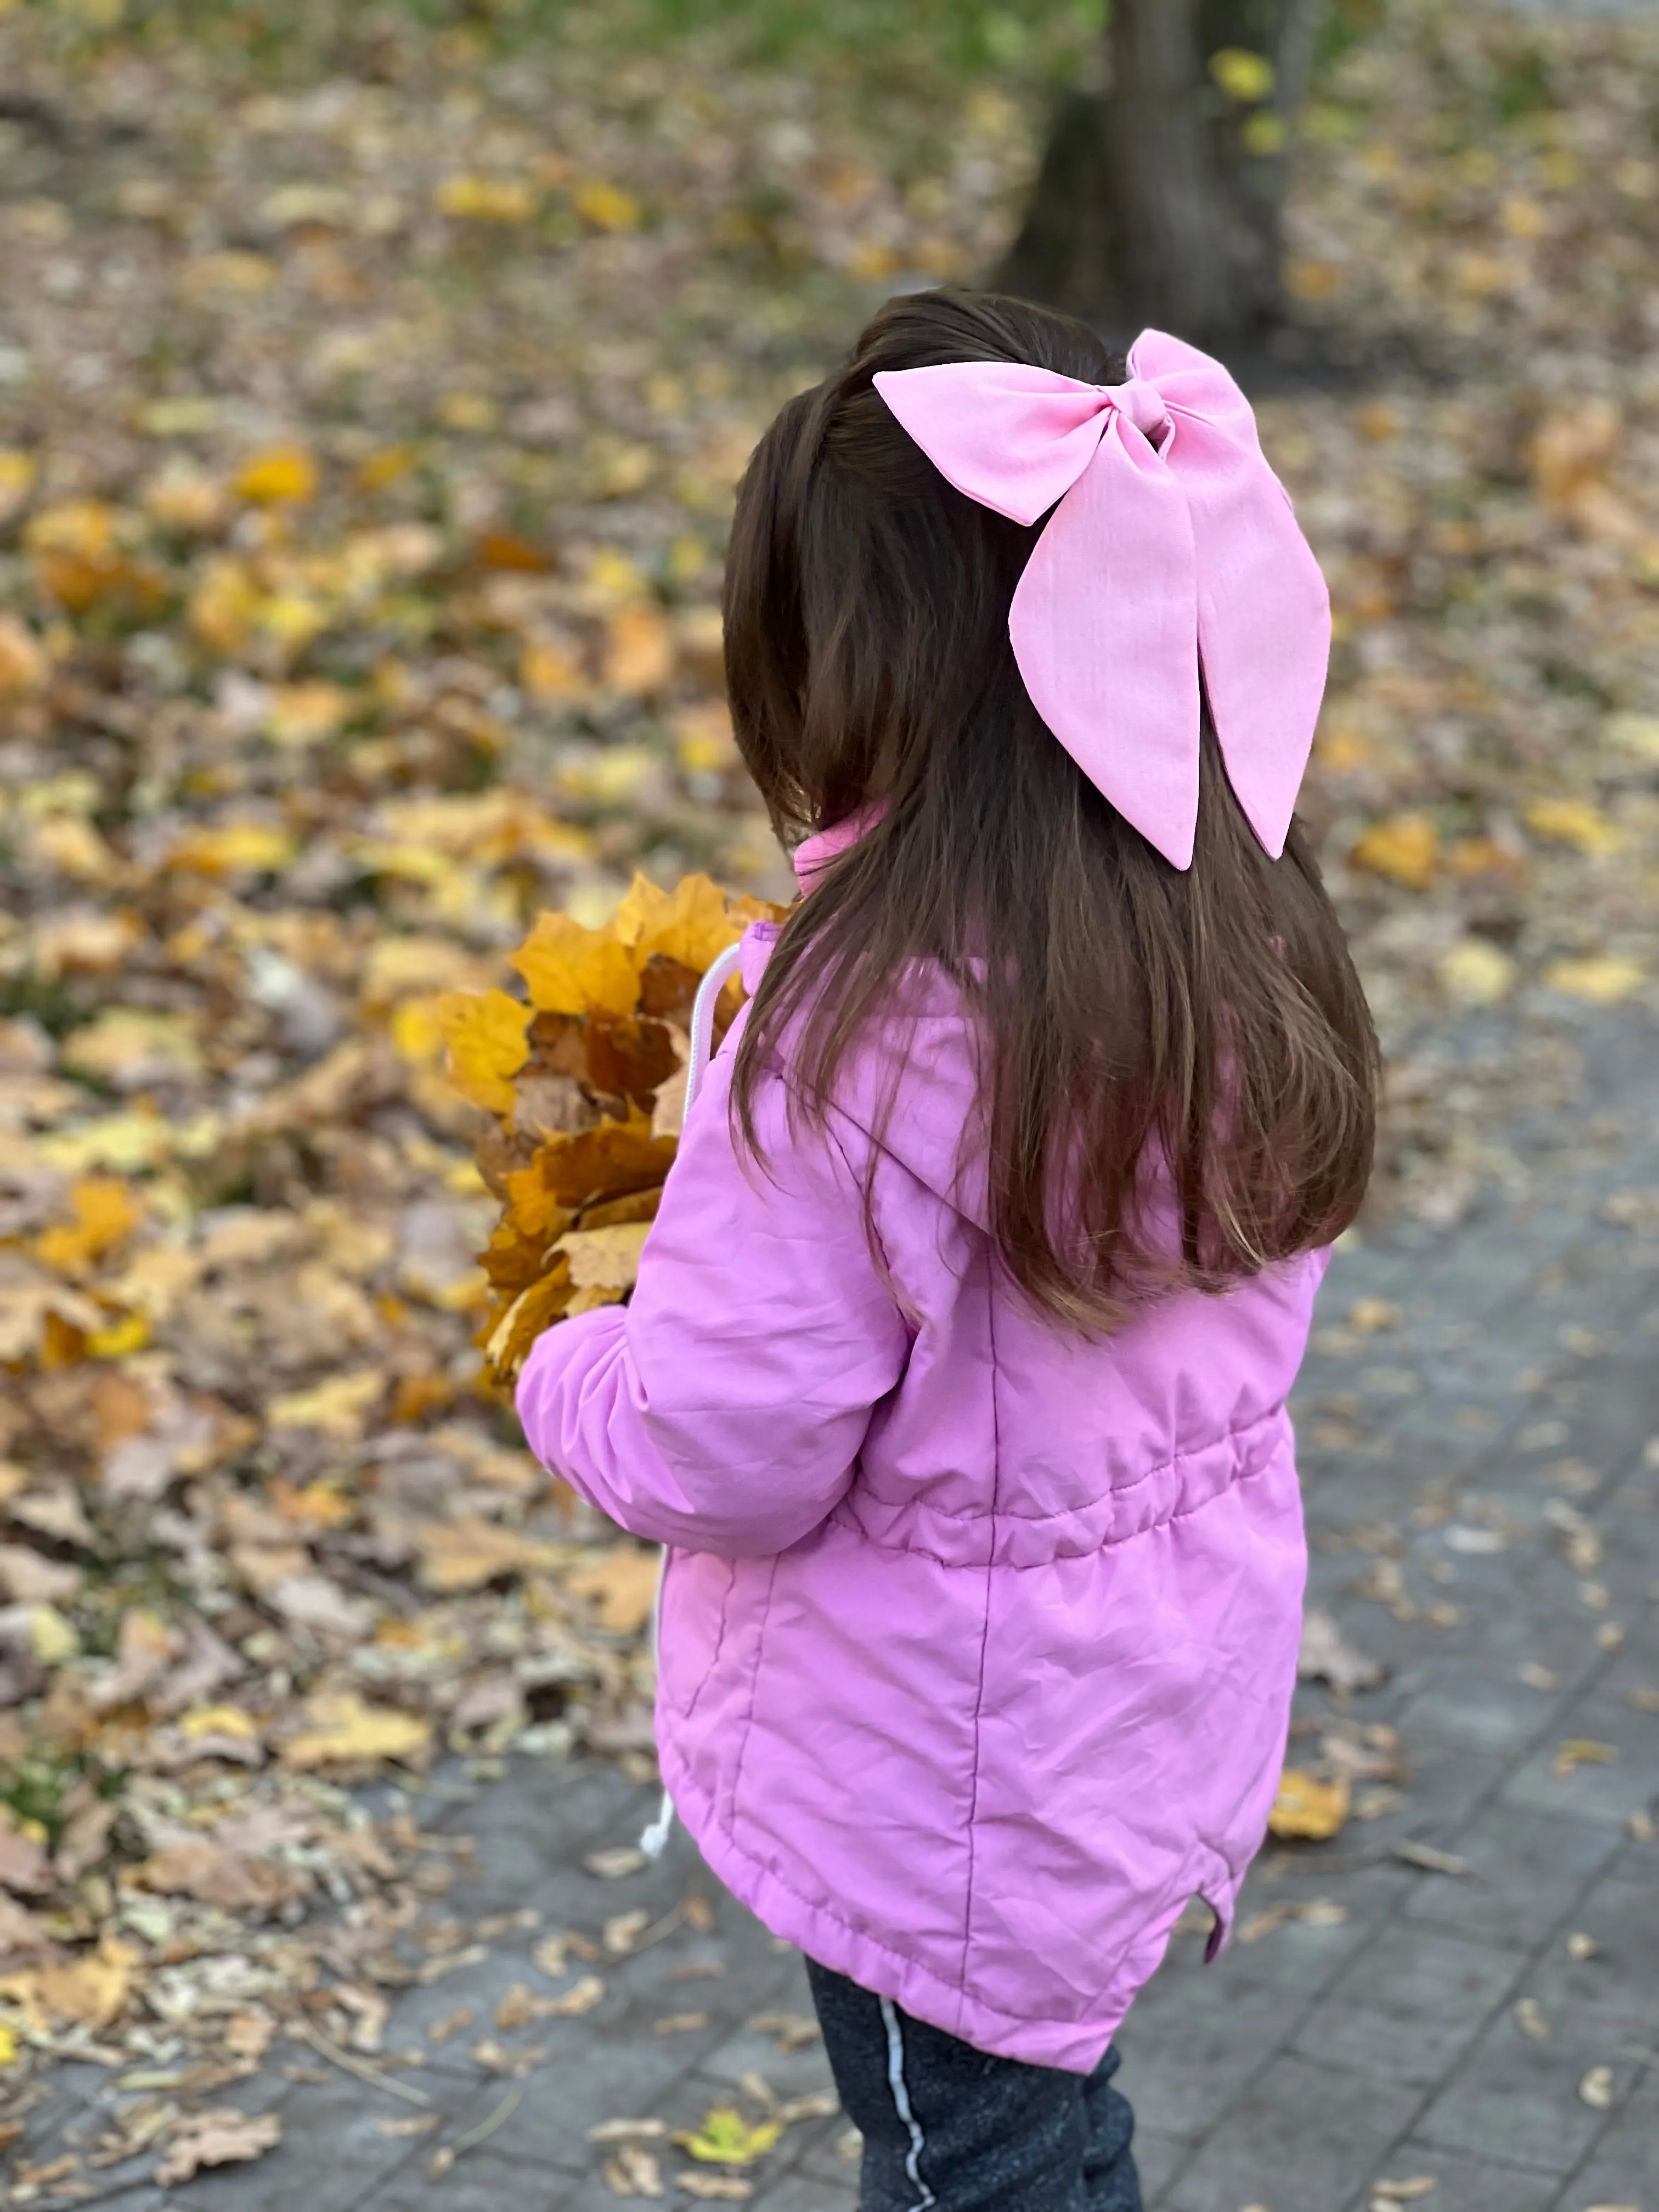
708,1673
984,1649
1037,1566
754,1687
1120,1490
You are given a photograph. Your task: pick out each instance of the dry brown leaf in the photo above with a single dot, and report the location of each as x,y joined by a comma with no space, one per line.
623,1585
580,1998
25,1939
24,1867
86,1992
213,1875
1328,1656
220,2138
604,1259
468,1554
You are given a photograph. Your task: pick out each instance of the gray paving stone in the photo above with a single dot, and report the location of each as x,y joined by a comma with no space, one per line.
1158,2158
831,2154
808,2193
1409,2004
1487,1707
1621,1915
1516,2098
1592,1791
1188,2047
1468,2184
1302,2139
1302,1956
1624,2168
1526,1869
332,2155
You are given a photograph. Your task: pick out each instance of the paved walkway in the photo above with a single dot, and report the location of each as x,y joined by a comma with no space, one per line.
1455,2003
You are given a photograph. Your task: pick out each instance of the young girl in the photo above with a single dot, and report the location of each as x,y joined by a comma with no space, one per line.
955,1372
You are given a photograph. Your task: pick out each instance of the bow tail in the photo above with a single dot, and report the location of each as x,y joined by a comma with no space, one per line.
1264,621
1104,626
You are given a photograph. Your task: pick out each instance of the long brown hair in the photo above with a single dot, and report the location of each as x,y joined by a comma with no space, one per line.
1148,1036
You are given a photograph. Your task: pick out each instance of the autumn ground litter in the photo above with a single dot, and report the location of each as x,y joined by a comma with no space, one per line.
371,400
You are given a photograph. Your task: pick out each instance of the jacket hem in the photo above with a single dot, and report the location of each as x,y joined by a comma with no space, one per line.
1073,2047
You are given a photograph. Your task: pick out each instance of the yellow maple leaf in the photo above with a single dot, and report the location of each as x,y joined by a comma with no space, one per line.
569,969
85,527
53,1638
1307,1808
1574,822
131,1046
346,1729
703,742
279,475
237,848
23,662
691,924
306,714
105,1213
222,605
485,1034
1476,973
639,649
18,471
120,1340
548,671
486,199
607,207
1604,980
1405,849
339,1406
508,1342
726,2138
218,1720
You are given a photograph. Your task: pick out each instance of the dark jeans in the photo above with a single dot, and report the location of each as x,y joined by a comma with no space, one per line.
949,2128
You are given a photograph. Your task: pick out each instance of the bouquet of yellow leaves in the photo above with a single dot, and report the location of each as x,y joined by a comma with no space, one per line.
585,1077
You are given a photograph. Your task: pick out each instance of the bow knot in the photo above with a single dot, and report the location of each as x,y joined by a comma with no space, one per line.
1142,402
1171,557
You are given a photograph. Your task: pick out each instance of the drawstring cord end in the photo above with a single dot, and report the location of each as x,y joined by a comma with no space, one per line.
654,1840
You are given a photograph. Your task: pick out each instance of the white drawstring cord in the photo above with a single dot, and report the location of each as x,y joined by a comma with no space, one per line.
654,1840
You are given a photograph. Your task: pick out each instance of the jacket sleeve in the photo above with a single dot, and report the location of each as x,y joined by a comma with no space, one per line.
723,1409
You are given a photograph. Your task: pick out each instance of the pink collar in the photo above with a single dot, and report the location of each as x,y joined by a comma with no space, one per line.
816,853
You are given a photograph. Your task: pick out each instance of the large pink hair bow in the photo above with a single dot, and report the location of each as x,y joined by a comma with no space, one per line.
1173,545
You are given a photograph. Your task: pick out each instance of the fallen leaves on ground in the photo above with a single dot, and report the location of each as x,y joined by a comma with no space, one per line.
370,409
1314,1912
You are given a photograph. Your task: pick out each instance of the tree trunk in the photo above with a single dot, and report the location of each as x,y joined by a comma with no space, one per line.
1159,201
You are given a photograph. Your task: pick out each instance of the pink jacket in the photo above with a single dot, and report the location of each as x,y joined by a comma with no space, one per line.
977,1639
